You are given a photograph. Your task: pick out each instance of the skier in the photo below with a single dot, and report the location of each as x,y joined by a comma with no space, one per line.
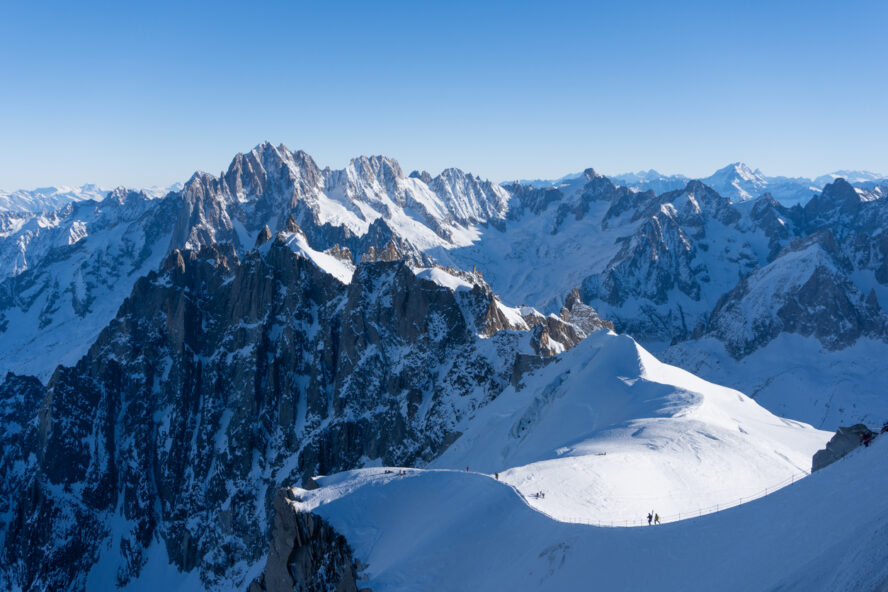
865,439
496,475
650,517
656,519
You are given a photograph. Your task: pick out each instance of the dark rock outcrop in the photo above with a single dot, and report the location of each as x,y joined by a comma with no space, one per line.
845,440
306,554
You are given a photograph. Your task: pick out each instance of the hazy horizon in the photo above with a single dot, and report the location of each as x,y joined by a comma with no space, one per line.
161,185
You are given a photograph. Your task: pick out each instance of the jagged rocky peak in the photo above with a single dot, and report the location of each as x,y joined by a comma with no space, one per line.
582,315
554,334
765,200
532,199
202,186
341,253
273,173
264,236
695,201
469,198
379,169
389,252
423,176
291,225
838,198
121,196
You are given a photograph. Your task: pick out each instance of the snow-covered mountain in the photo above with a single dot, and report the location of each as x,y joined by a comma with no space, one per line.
660,266
605,431
65,273
281,320
221,378
657,265
466,531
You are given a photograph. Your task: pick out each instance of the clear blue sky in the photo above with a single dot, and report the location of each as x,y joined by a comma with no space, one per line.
115,93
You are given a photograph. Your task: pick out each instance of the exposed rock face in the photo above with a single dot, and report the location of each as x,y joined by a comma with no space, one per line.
845,440
21,397
804,291
697,266
222,378
657,285
306,554
582,315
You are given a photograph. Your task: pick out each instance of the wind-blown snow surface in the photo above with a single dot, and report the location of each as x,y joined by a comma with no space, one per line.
451,530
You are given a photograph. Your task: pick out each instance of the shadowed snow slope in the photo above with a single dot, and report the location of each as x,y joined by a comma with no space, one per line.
608,433
451,530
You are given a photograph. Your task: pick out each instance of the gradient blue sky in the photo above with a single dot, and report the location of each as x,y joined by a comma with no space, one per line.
115,93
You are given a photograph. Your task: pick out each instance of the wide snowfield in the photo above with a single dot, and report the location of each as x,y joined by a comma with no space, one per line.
452,530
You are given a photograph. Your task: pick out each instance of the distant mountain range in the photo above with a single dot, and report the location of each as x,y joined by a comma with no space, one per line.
44,199
737,182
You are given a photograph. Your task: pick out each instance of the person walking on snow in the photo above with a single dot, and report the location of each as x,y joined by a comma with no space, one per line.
650,517
656,519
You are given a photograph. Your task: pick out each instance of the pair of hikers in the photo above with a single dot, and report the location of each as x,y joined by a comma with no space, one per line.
654,517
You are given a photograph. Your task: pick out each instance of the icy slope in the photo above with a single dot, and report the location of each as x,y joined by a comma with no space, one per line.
608,433
451,530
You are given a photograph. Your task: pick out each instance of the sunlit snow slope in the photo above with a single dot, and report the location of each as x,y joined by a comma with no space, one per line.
608,433
451,530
